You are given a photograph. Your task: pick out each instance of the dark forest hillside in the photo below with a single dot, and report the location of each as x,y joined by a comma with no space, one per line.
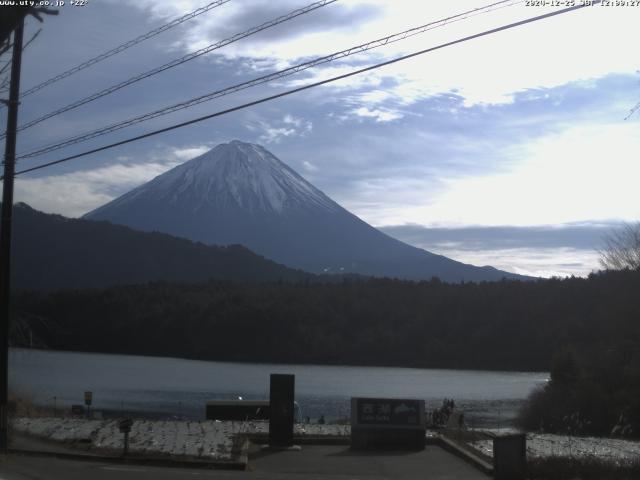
53,252
506,325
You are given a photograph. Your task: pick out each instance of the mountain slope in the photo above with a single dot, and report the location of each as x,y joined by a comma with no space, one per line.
241,193
51,252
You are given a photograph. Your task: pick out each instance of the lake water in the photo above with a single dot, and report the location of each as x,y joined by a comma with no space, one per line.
180,388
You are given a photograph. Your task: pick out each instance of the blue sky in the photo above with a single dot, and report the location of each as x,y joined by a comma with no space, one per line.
510,150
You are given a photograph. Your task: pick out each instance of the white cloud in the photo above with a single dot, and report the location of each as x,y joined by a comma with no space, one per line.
303,126
490,69
274,135
68,195
552,250
585,173
536,262
309,167
188,153
389,200
74,194
380,115
292,120
374,96
275,131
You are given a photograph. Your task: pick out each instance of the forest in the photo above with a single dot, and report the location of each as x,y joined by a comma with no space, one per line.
508,325
584,330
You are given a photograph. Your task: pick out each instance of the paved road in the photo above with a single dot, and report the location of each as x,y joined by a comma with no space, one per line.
313,462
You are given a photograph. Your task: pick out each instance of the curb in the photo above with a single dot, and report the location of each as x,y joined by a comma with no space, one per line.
262,438
475,460
239,464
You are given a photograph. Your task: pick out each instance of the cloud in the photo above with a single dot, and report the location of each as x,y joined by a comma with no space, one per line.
191,152
297,38
488,70
309,167
505,129
580,236
581,174
536,262
74,194
541,251
380,115
274,135
277,130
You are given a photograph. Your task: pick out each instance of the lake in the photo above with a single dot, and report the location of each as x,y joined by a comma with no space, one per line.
179,388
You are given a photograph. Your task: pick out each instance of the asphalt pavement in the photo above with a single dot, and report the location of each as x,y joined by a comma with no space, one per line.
318,462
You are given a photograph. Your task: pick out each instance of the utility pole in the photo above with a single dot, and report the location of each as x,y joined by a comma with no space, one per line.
5,229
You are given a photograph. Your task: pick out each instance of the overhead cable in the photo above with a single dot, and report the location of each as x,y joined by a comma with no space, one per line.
33,37
308,86
179,61
125,46
268,78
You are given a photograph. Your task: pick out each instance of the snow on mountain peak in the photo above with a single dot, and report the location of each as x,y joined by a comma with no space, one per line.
236,173
240,193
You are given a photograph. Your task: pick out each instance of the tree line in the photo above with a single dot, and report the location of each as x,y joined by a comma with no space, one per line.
506,325
584,330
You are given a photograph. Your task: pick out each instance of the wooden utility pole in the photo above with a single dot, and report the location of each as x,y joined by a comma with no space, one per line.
5,229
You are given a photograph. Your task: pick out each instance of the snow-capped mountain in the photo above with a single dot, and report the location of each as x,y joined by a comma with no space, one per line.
240,193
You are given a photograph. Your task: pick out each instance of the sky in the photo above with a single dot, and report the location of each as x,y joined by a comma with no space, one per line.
512,150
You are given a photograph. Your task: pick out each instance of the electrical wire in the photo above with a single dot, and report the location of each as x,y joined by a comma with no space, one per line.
125,46
269,77
6,65
632,111
179,61
308,86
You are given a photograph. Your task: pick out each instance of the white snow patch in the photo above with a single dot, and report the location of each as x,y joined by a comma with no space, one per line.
244,173
205,440
546,445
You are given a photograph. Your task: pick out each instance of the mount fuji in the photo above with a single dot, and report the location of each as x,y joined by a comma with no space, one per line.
240,193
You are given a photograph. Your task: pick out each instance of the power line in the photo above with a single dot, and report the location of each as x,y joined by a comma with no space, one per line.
24,47
179,61
269,77
5,48
633,111
307,87
125,46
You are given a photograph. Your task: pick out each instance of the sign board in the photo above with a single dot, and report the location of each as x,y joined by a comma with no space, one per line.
125,425
88,396
387,423
389,411
77,410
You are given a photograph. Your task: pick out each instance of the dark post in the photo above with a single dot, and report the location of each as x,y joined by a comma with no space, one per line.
281,405
126,444
510,457
125,427
5,229
88,396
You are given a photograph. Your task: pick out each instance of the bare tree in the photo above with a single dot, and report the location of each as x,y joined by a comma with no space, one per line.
622,248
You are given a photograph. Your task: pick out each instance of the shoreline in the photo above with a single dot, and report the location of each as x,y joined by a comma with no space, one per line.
291,364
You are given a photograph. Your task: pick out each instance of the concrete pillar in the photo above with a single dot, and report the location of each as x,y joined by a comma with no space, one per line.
282,390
